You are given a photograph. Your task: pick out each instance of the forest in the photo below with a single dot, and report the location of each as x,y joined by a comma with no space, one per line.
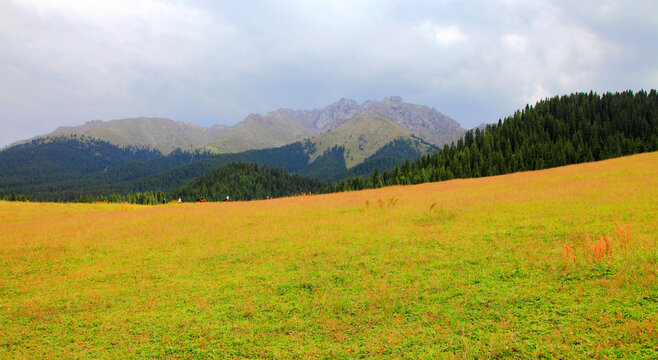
246,181
62,159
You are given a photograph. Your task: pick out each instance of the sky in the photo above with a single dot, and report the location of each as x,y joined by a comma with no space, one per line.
66,62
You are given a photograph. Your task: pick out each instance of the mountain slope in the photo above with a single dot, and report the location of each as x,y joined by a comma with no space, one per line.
423,122
360,136
259,132
387,158
46,161
161,134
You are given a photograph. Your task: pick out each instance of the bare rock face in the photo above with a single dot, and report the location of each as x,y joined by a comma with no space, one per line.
343,109
319,119
423,122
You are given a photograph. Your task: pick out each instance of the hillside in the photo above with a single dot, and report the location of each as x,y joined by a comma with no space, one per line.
360,136
56,159
258,132
499,267
161,134
245,181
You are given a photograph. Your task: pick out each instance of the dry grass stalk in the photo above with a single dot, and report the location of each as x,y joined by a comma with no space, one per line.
568,256
624,234
602,248
599,249
392,200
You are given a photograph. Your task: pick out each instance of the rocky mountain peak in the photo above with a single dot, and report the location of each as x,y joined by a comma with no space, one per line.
344,103
394,100
254,117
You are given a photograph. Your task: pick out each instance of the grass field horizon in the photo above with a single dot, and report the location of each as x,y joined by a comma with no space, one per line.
556,263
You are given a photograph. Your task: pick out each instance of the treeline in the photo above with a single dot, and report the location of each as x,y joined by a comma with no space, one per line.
14,197
559,131
246,181
142,198
239,181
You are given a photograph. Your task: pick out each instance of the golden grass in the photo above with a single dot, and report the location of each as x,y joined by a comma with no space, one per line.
498,267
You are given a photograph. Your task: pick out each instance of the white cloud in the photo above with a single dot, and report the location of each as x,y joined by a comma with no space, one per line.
449,35
516,42
442,35
65,62
155,32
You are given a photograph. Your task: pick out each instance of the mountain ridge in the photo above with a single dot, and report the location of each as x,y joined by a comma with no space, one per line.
256,131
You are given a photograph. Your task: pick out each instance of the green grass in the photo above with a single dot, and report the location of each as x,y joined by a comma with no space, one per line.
480,275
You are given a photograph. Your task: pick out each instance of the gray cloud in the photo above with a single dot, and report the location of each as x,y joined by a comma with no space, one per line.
70,61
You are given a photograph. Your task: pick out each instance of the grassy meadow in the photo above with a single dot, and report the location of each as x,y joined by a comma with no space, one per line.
527,265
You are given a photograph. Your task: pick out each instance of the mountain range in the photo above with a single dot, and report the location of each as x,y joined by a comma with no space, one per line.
341,140
276,128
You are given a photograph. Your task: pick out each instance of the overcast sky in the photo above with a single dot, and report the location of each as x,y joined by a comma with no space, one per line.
65,62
